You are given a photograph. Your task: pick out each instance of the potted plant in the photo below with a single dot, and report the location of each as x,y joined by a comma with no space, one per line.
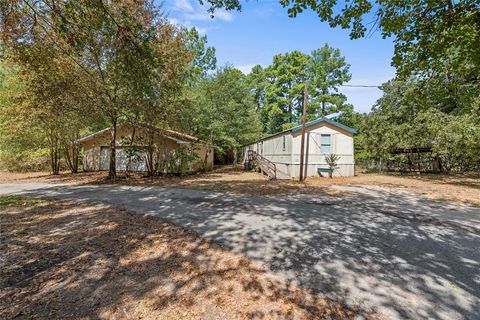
331,160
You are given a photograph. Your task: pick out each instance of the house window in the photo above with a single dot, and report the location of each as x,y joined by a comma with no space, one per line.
283,144
326,143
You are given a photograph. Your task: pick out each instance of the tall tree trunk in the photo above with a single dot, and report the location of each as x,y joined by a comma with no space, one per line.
207,152
112,172
52,160
54,152
290,111
68,153
74,161
152,163
55,160
324,92
71,152
235,156
57,154
76,153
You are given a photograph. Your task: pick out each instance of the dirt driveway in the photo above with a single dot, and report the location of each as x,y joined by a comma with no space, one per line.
394,252
459,188
65,260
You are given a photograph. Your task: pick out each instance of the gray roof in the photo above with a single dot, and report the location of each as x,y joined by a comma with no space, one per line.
174,135
308,124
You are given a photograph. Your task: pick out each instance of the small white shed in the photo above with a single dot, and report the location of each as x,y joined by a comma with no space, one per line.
322,137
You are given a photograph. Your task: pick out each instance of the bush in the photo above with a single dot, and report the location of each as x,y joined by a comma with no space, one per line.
332,160
179,161
25,161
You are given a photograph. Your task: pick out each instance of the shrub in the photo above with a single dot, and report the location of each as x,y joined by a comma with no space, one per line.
332,160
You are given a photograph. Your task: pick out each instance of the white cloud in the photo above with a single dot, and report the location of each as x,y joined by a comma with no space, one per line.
246,69
201,30
197,16
183,5
187,11
200,14
223,15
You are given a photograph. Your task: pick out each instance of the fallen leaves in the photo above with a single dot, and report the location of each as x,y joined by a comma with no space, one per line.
68,260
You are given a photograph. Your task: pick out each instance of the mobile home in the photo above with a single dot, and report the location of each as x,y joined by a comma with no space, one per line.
322,137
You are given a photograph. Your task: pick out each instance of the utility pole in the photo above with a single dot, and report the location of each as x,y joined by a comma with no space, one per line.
304,119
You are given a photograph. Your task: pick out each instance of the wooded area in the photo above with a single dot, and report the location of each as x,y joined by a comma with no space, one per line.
73,67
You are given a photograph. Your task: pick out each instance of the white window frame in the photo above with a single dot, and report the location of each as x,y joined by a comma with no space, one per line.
324,144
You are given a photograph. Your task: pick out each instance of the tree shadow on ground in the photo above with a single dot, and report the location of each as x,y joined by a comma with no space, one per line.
382,249
68,260
225,179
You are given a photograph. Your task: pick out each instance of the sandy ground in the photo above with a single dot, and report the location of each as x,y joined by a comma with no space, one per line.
68,260
389,251
461,188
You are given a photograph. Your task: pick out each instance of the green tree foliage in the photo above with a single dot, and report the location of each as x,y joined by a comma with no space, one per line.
223,112
424,32
48,104
178,161
278,88
20,149
285,79
132,57
53,95
202,62
351,118
329,70
434,100
203,57
72,66
418,114
257,82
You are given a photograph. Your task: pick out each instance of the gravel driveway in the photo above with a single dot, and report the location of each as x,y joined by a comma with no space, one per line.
387,250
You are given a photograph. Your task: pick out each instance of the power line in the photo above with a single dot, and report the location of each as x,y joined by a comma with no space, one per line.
359,86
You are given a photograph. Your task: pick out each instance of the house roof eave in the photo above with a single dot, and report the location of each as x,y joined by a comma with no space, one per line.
170,134
308,124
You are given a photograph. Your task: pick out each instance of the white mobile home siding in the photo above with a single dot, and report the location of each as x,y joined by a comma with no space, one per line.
341,145
284,150
277,149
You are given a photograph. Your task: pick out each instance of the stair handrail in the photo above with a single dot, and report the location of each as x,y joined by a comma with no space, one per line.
270,166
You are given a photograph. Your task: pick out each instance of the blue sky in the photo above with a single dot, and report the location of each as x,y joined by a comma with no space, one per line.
263,29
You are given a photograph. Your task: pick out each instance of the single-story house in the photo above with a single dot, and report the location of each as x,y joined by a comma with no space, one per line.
323,136
150,143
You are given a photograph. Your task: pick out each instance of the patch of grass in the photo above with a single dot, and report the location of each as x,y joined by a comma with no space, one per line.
13,200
